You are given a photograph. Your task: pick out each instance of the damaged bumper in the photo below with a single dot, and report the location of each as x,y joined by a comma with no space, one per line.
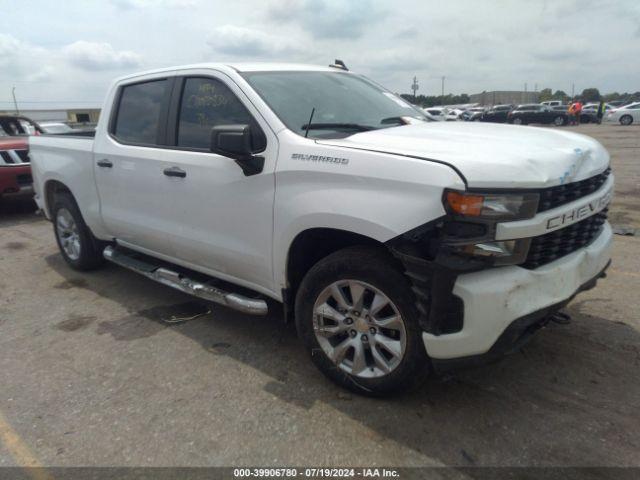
511,299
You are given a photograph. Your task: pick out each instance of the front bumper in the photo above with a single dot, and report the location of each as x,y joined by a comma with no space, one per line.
16,180
493,299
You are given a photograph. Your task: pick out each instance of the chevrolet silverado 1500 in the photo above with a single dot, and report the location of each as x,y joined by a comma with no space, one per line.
399,246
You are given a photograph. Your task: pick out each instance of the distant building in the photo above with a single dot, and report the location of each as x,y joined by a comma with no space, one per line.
504,97
72,116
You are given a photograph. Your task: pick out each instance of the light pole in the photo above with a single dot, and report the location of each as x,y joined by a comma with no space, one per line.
15,102
415,87
443,88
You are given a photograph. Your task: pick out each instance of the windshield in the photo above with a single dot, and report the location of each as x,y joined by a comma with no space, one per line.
342,103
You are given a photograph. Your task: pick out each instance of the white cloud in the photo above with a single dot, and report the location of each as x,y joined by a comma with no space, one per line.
248,42
99,56
328,19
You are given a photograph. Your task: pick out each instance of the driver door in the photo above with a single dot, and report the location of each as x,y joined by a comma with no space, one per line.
224,217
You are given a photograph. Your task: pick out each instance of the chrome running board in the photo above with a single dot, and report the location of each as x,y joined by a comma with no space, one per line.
185,284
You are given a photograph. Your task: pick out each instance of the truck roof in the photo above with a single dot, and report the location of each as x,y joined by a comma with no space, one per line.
239,67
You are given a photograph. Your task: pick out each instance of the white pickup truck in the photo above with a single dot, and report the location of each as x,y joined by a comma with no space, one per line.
399,246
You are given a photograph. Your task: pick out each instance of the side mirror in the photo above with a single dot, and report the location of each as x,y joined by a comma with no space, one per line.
231,141
234,141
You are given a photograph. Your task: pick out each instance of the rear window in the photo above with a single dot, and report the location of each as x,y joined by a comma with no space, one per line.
138,116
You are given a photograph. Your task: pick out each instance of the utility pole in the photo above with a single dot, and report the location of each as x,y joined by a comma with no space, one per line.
15,102
415,87
573,91
443,88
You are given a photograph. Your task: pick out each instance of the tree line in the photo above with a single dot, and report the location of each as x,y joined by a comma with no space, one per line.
589,95
433,100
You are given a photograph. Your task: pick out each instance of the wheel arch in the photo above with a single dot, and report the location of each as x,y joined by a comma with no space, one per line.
312,245
53,187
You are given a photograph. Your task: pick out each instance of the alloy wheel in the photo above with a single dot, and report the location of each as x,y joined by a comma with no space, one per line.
68,234
359,328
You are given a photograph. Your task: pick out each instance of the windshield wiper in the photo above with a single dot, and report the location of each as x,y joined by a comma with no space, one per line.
337,126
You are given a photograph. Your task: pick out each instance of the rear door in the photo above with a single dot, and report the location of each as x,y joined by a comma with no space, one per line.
224,216
130,159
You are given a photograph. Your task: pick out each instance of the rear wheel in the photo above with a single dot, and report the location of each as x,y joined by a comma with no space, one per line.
559,121
356,315
80,249
626,120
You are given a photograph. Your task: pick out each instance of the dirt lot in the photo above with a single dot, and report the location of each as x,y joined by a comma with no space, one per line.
91,375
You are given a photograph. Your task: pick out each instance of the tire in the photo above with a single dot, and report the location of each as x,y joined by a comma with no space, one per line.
517,121
626,120
559,121
79,248
375,371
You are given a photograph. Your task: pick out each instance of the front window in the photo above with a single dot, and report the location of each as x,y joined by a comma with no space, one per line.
207,103
342,103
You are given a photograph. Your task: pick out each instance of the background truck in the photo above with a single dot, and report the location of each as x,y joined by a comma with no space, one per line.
399,246
15,171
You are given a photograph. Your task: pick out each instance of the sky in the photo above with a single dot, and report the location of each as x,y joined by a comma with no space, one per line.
65,54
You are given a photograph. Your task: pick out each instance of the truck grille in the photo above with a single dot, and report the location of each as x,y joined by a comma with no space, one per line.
24,155
551,246
555,196
12,157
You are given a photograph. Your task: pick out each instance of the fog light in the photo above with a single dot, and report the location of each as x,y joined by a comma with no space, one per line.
505,252
495,249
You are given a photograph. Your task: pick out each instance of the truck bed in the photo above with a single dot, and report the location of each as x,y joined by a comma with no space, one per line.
68,158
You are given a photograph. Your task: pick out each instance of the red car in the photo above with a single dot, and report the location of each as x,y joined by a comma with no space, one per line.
15,170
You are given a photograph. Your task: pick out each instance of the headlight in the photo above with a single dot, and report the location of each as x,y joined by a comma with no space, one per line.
491,206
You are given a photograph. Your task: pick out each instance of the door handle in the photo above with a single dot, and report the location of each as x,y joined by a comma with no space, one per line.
175,172
105,163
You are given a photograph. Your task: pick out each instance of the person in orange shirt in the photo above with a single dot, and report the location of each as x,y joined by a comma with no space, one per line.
577,111
572,113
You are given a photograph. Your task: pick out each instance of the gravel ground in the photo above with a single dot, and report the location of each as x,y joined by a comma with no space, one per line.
91,375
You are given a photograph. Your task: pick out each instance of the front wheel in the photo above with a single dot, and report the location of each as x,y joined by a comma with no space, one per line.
517,121
559,121
356,315
626,120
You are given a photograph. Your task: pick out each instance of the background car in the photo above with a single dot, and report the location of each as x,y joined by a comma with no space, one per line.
589,112
473,114
618,103
625,115
436,113
536,113
453,114
552,103
15,168
496,114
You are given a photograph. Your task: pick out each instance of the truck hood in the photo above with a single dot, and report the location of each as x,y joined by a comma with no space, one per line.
491,155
